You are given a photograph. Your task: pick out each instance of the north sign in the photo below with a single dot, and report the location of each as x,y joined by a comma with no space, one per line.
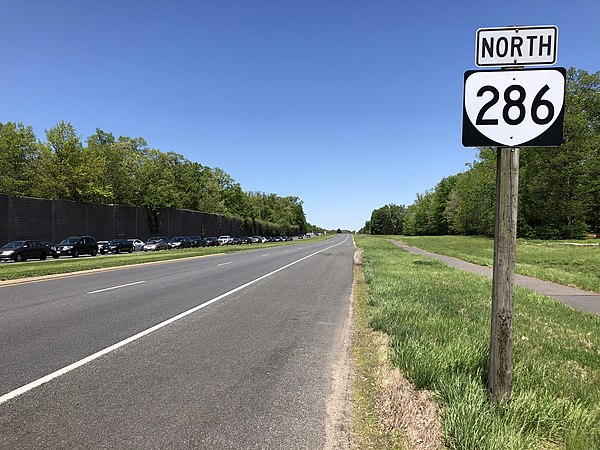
516,46
514,108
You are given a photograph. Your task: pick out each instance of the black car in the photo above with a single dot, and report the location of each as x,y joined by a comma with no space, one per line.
180,242
23,250
196,241
117,246
211,241
75,246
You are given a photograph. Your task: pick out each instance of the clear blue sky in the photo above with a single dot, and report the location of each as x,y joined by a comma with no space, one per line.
349,105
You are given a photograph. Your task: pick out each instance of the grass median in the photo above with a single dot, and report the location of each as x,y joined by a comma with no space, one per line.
438,320
571,263
13,271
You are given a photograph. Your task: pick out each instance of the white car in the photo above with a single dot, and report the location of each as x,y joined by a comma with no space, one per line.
225,240
138,245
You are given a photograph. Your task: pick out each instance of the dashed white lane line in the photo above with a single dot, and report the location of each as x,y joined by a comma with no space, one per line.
115,287
225,263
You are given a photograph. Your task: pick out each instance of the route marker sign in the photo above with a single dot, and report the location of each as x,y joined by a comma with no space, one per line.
516,46
514,108
508,109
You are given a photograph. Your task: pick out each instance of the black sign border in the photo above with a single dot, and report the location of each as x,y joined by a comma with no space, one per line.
552,137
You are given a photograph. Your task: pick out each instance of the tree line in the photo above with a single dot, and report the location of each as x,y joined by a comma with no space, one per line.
124,170
559,187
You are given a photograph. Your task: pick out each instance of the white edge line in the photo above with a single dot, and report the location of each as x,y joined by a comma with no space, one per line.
116,287
40,381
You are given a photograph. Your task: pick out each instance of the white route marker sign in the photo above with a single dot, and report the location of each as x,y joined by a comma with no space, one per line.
516,46
512,108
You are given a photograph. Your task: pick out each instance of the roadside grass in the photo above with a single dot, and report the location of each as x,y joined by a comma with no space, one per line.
562,262
438,320
12,271
366,420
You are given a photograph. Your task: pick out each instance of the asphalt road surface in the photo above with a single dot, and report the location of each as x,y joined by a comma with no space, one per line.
229,351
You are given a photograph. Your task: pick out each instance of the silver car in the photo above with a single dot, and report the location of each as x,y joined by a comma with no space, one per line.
138,245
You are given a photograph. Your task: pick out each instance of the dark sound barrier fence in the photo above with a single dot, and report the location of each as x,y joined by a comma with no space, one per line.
54,220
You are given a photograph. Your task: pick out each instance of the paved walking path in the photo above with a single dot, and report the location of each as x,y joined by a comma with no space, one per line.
577,298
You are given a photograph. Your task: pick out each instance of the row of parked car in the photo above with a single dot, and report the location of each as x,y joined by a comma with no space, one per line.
162,242
86,245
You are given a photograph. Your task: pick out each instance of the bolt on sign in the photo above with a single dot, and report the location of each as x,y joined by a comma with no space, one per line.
516,46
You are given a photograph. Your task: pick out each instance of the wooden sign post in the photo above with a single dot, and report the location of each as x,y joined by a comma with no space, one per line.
505,244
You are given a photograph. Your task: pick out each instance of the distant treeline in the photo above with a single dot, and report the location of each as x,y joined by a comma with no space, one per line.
125,171
559,187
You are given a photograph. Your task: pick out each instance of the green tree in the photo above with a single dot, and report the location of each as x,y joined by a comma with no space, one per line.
560,187
77,171
471,203
19,158
120,162
388,219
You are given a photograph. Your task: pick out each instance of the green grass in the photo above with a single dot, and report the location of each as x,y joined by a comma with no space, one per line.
438,319
557,261
366,421
12,271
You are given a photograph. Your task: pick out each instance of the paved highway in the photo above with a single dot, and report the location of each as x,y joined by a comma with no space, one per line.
228,351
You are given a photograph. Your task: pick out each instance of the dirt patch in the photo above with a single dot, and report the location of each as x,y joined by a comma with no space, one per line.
403,407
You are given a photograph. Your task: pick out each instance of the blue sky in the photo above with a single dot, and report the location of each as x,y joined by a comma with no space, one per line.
349,105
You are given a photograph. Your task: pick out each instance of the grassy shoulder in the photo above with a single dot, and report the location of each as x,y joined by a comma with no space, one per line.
571,263
388,412
13,271
438,321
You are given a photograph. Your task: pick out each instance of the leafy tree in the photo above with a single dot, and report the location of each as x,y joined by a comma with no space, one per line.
560,186
388,219
19,159
471,204
76,170
121,160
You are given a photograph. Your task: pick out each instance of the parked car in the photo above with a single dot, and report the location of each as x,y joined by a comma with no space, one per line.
180,242
101,245
225,240
138,245
156,244
75,246
118,246
23,250
152,238
211,241
196,241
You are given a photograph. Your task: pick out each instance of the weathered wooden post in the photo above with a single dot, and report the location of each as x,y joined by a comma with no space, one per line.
505,239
